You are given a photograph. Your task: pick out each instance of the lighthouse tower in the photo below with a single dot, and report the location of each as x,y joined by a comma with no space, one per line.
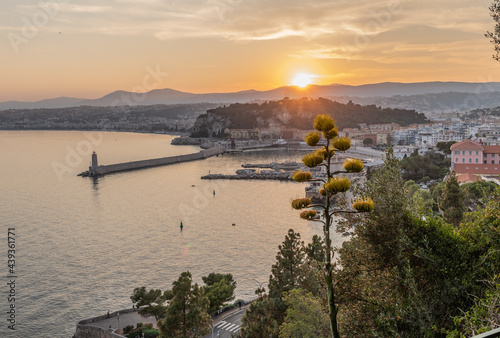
94,160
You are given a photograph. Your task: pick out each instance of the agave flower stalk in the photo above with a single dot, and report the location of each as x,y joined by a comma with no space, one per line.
325,126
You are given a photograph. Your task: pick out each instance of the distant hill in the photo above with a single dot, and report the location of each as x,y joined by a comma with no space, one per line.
369,93
60,102
433,102
298,113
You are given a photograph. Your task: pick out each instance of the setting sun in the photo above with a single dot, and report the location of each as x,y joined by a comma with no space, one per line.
302,80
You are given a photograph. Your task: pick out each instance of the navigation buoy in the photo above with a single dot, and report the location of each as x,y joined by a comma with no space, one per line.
181,226
214,192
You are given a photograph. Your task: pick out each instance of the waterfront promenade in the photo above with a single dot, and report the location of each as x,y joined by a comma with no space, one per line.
126,318
110,325
225,324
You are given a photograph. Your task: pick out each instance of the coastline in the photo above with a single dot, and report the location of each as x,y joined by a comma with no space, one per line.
171,133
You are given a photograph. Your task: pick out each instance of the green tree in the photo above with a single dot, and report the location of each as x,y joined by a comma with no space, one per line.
423,203
286,273
259,319
445,146
495,35
476,193
480,232
367,141
325,126
411,187
152,301
315,250
304,316
219,289
400,276
452,201
313,280
295,266
483,316
187,310
417,167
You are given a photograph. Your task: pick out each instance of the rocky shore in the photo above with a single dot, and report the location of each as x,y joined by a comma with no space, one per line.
192,141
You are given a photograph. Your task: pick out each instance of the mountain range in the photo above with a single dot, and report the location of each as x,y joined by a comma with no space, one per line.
472,95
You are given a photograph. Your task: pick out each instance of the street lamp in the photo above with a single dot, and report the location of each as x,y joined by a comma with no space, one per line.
118,316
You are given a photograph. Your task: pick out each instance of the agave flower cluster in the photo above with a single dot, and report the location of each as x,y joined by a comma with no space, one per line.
363,205
326,129
301,203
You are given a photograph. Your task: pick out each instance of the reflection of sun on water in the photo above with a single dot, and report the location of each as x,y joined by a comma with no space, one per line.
302,80
185,250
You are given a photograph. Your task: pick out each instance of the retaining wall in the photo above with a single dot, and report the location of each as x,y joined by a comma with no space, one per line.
84,328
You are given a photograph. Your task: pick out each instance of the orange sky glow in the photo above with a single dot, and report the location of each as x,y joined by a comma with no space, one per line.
90,48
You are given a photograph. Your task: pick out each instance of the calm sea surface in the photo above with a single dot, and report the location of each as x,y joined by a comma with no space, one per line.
83,245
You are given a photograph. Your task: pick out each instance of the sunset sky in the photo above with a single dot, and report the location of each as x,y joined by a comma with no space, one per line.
89,48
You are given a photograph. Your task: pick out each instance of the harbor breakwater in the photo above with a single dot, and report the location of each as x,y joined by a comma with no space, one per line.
98,170
280,176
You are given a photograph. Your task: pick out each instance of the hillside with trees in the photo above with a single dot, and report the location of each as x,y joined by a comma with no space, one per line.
299,113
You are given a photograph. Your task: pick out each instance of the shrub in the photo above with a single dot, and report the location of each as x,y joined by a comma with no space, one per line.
127,329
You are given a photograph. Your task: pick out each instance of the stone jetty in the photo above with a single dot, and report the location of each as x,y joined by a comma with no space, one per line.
274,165
280,176
99,170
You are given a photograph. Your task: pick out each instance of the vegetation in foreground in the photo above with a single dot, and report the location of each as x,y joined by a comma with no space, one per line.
404,272
186,309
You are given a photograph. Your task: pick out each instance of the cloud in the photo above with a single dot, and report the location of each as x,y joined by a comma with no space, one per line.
74,8
258,19
382,30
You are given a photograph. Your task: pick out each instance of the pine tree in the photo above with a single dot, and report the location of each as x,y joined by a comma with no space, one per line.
259,319
219,289
286,272
452,201
151,301
495,35
187,314
304,316
264,316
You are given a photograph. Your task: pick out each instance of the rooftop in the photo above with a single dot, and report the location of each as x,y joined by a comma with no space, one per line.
491,149
478,169
467,144
468,177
